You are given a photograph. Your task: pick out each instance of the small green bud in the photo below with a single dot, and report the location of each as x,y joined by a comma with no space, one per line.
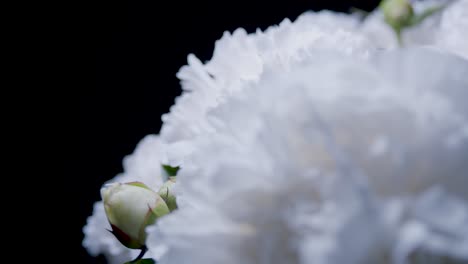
130,208
398,14
167,194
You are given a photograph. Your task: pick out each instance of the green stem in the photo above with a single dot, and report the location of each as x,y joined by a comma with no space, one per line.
399,37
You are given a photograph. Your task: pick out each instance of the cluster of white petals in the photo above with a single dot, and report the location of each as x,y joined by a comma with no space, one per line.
241,57
337,161
314,141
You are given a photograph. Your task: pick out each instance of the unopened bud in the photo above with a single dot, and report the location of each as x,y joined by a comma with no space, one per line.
397,13
130,208
167,194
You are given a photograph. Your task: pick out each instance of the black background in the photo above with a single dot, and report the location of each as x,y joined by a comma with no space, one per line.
136,49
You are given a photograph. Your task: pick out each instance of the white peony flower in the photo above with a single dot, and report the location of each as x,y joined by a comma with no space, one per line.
144,165
335,160
240,57
243,63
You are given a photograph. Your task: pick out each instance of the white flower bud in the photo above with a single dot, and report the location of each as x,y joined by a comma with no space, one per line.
130,208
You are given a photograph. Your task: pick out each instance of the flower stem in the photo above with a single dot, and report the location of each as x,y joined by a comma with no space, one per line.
399,37
140,256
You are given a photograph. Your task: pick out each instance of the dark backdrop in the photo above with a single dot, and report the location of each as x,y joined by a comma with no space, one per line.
136,50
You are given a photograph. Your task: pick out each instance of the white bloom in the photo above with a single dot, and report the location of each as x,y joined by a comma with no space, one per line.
336,160
242,57
143,165
242,62
452,32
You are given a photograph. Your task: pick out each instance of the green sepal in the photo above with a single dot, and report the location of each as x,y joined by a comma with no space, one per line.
166,193
171,171
125,239
160,209
152,215
138,184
